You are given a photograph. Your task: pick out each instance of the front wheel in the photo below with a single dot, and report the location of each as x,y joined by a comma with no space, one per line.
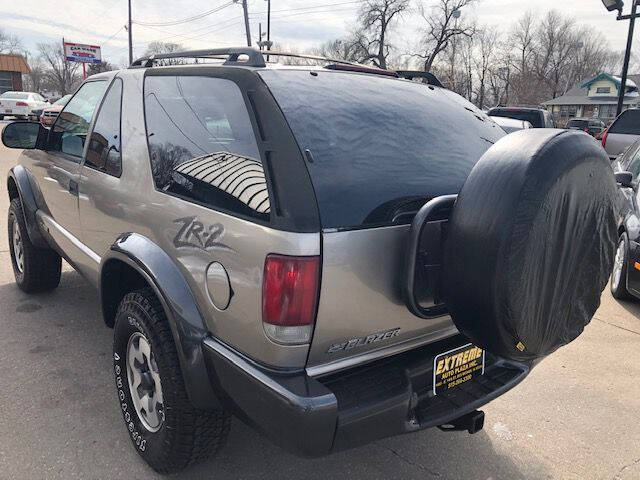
166,430
620,265
35,269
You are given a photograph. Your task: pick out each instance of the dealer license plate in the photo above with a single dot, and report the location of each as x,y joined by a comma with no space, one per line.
456,367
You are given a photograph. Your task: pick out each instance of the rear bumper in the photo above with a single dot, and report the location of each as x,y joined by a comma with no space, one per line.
316,416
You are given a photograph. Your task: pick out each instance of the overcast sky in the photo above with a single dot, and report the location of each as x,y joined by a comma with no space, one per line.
297,23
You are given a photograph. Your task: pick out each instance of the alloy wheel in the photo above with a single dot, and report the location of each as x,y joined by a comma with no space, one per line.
144,383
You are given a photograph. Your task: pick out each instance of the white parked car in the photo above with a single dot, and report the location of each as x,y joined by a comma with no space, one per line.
511,124
622,132
22,105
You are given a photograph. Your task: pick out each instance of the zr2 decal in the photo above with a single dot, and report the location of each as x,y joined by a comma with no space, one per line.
195,234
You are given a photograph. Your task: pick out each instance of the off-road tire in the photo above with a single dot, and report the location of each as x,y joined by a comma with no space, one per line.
620,291
187,435
41,266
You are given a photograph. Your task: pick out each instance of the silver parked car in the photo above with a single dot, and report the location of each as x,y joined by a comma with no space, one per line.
510,125
287,244
622,132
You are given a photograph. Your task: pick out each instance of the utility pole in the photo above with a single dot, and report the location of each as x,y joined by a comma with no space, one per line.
246,22
260,35
268,25
130,37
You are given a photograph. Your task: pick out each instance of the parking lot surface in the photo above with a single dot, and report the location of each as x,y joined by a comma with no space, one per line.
575,417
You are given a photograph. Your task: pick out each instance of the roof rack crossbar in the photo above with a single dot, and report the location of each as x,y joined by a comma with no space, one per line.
255,58
428,76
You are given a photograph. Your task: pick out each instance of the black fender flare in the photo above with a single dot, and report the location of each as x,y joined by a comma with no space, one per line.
20,177
175,295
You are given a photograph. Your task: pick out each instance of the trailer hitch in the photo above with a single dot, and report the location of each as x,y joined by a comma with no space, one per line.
472,422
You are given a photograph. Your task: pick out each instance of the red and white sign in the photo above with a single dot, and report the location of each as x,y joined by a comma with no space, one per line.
78,52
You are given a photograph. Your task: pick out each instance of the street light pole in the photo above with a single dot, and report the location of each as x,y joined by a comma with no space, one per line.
627,53
130,36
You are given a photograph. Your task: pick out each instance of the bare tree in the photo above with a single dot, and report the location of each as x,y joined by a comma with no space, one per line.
35,80
555,49
60,74
441,28
371,37
156,48
340,49
10,43
523,41
100,67
484,60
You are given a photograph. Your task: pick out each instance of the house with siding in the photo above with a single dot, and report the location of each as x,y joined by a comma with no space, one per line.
12,67
595,98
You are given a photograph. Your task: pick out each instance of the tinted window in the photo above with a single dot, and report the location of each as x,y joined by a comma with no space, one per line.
581,124
379,147
531,116
202,145
627,123
103,152
72,125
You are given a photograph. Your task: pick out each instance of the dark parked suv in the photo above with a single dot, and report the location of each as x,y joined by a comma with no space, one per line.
334,254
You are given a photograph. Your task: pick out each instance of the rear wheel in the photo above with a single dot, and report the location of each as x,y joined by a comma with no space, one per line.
35,269
620,264
166,430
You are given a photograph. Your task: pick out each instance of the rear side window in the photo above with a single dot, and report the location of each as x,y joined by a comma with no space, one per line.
202,145
378,148
627,123
103,153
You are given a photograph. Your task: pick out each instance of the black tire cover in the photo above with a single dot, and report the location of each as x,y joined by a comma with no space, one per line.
531,242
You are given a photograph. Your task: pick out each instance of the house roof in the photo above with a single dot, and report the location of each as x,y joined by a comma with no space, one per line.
13,63
612,78
579,95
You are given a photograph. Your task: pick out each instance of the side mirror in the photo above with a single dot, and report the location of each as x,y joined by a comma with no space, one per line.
25,135
624,179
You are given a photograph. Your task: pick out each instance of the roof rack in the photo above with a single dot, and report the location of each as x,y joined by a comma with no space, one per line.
255,58
428,76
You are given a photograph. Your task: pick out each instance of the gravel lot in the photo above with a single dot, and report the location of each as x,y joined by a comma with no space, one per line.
575,417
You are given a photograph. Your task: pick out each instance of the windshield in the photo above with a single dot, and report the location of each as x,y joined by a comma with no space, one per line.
531,116
62,101
627,123
373,156
15,96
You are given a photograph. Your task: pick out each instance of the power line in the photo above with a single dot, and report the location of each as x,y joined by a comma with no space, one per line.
112,36
184,20
313,7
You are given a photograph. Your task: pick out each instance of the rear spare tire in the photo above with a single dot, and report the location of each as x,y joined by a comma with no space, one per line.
530,243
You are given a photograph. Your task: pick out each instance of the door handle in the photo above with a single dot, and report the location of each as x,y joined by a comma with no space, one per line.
73,187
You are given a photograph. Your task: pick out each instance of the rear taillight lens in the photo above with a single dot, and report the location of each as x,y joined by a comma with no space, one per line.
289,297
604,138
22,104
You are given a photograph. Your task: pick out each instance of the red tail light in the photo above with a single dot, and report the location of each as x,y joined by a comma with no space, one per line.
289,297
22,104
604,137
